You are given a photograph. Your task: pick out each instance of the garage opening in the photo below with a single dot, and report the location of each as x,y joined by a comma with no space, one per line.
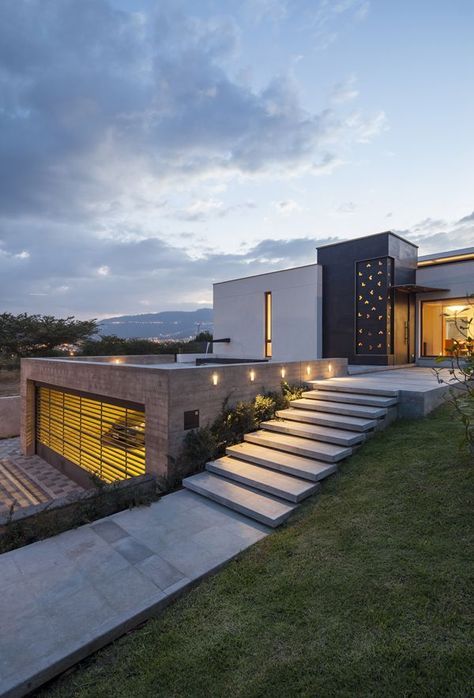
105,438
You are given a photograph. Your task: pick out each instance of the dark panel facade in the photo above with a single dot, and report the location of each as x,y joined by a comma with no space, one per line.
358,307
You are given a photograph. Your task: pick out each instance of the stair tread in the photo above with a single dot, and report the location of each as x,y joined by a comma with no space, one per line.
340,408
282,460
334,420
355,398
314,431
354,386
320,449
259,477
263,507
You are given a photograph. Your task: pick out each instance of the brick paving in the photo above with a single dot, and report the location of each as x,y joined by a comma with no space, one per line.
28,480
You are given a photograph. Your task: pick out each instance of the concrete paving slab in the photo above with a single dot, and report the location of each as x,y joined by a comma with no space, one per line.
67,596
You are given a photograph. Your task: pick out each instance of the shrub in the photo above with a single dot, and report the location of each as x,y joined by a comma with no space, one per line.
292,391
265,407
229,427
199,446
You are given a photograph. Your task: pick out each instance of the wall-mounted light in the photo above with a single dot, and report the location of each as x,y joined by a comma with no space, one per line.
215,379
330,368
283,372
252,375
117,361
71,353
308,370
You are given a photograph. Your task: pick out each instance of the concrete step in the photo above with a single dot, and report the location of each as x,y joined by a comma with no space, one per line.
330,453
341,408
353,398
347,386
261,507
316,432
298,466
284,486
327,419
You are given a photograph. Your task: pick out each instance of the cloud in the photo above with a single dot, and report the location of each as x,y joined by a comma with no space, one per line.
347,207
205,209
288,206
437,235
103,104
333,17
151,272
345,91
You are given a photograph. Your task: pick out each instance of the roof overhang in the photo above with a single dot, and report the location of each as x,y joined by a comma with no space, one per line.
416,288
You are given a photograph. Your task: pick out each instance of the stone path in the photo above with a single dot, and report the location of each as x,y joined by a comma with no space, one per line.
67,596
28,480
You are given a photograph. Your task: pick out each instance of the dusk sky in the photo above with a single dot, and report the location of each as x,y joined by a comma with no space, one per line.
149,148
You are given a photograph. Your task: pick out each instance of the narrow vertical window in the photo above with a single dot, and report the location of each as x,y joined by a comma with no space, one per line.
268,324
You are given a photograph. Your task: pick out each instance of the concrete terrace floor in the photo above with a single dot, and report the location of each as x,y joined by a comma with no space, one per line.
67,596
414,379
29,480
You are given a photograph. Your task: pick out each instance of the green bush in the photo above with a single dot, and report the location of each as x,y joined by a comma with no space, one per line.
230,426
265,407
292,391
199,446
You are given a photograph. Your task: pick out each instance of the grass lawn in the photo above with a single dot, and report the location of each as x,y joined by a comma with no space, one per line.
365,592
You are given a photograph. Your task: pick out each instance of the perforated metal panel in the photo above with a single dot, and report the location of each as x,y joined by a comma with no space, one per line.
106,439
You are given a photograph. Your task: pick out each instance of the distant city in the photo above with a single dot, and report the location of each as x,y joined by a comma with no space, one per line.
159,327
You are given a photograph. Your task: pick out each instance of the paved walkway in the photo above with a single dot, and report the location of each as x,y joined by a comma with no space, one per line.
29,480
67,596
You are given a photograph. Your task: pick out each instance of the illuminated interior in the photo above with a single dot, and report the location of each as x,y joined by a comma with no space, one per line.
445,323
268,324
105,439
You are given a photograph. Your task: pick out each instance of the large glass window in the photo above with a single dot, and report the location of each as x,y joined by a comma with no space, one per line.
268,324
106,439
443,323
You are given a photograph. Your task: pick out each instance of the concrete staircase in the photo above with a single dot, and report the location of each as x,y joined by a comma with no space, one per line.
282,463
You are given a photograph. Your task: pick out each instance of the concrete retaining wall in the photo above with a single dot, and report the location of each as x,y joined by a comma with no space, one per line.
166,392
10,416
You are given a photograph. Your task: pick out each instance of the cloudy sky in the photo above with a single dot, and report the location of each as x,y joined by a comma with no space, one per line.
149,148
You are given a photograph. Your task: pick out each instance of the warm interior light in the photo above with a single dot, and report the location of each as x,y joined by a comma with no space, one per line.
252,376
215,379
283,372
455,308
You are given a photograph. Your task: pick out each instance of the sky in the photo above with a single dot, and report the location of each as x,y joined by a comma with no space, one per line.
149,148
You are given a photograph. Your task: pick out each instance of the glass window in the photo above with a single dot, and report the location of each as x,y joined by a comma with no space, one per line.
444,323
268,324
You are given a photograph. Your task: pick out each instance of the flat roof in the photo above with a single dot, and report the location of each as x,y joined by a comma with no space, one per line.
364,237
446,255
265,273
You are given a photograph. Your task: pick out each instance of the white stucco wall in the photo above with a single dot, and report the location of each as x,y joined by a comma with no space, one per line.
239,313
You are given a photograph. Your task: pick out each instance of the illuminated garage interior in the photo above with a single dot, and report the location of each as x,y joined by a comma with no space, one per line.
104,438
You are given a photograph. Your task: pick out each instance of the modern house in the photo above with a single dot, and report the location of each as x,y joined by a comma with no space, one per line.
371,300
366,301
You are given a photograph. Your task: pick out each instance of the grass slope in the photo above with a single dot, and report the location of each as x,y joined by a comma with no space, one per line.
364,593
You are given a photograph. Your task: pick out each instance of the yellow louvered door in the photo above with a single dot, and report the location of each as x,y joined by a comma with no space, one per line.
106,439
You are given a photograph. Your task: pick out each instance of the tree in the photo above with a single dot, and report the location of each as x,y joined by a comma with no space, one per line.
461,371
203,337
29,335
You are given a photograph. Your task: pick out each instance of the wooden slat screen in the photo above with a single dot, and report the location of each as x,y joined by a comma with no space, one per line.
105,439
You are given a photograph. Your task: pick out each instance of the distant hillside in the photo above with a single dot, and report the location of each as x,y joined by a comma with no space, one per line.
172,324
